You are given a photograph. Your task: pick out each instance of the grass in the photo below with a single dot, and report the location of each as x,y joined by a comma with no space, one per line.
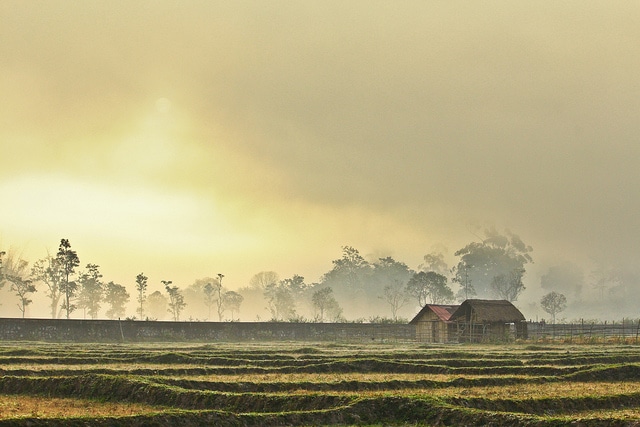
291,383
20,406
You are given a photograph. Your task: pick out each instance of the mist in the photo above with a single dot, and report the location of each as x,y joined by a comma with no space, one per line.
187,140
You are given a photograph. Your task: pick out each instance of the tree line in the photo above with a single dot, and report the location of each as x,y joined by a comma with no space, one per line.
380,290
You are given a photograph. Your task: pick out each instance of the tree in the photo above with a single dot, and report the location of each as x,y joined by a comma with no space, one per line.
176,300
232,301
117,297
156,304
209,297
280,301
429,287
14,271
481,261
49,272
508,286
219,292
261,280
324,303
68,260
141,288
553,303
434,262
91,290
2,253
396,296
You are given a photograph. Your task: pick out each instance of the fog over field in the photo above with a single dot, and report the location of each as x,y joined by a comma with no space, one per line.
184,140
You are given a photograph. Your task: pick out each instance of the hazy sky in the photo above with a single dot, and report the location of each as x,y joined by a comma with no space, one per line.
186,139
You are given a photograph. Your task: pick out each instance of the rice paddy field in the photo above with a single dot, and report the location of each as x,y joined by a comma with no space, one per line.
304,384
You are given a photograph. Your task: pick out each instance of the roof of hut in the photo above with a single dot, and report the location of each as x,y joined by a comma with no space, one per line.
488,311
443,312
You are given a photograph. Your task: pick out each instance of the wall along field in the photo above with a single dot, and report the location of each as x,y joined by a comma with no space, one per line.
318,384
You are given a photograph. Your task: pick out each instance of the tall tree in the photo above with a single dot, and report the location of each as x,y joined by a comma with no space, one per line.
209,297
91,290
176,300
68,260
141,288
262,279
481,261
15,272
429,287
396,296
553,303
156,305
48,271
2,253
508,285
232,301
325,304
219,291
280,301
434,261
350,279
117,297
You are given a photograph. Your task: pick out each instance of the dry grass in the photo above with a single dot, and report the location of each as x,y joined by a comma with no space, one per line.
49,407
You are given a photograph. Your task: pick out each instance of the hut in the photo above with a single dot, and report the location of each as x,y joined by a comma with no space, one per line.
480,320
433,325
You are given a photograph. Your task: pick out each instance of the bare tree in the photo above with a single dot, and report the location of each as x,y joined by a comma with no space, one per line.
553,303
396,296
48,271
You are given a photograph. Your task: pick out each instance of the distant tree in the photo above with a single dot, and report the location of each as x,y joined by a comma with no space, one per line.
176,300
2,253
280,301
467,290
481,261
141,288
324,303
434,262
508,285
219,291
209,297
263,279
68,260
396,296
156,304
91,291
48,271
349,275
117,297
232,301
553,303
429,287
15,272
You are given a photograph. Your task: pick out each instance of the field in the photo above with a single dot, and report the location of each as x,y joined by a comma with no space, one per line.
262,384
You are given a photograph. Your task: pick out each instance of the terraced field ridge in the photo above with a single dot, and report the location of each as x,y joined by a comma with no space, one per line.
274,384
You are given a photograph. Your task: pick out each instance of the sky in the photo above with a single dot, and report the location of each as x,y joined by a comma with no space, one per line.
186,139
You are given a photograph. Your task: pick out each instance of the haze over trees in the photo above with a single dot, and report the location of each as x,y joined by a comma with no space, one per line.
356,288
553,303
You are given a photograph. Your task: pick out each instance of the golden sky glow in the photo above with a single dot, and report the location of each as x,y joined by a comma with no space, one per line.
184,139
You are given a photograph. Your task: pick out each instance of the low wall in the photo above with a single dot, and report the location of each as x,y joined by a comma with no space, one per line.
149,331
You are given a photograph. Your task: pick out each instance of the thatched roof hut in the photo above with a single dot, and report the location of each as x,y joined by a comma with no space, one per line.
489,320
